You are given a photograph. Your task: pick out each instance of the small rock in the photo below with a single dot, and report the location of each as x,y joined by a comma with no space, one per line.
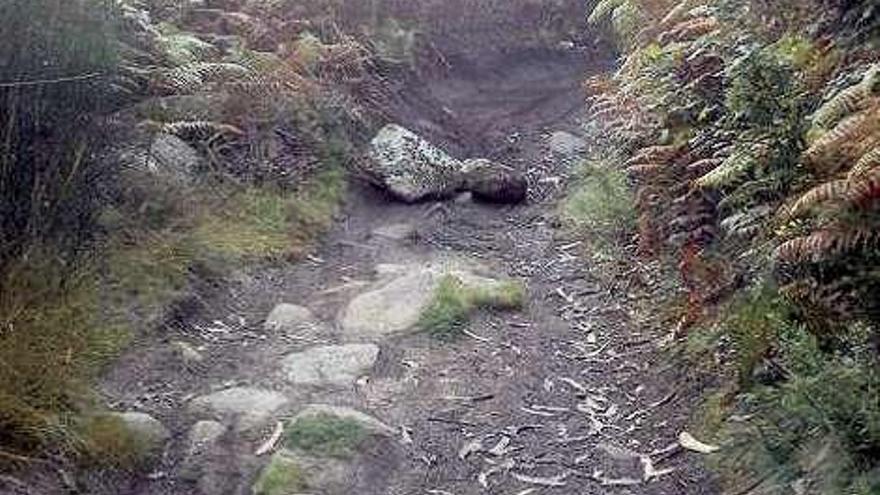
396,231
201,441
288,317
566,145
337,365
252,408
494,183
187,353
174,156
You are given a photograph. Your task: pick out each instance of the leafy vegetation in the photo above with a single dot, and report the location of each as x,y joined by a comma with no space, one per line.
325,435
454,302
282,476
140,154
749,136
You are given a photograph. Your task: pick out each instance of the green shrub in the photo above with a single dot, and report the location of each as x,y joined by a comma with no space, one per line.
57,62
325,435
821,425
54,338
601,202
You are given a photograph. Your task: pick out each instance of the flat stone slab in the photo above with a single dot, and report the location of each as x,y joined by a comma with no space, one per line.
395,231
396,302
251,408
335,365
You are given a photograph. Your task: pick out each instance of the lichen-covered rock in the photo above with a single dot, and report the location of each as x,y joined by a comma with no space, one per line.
494,183
411,168
333,365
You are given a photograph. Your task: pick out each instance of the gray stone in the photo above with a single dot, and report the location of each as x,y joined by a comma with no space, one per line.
566,145
187,353
395,303
148,431
409,167
391,308
336,365
173,156
493,182
395,231
201,444
250,408
289,317
369,423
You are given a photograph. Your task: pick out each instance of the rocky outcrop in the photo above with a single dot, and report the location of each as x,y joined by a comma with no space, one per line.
411,169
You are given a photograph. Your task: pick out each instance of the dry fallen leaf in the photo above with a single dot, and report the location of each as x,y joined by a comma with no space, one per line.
687,441
269,444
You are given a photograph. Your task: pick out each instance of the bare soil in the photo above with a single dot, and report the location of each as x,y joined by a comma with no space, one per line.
514,384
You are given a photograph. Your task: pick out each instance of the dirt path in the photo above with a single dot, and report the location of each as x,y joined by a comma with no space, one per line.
565,396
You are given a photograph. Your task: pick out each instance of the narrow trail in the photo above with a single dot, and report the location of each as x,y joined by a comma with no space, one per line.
566,396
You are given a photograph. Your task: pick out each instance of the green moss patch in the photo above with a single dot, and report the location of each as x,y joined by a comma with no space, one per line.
454,302
282,476
325,435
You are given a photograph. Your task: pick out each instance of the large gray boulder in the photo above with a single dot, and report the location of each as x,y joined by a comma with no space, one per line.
411,168
333,365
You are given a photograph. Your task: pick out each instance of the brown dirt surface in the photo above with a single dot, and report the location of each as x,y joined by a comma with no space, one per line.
504,410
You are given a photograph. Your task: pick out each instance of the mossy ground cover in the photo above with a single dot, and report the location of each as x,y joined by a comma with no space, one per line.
454,302
60,323
325,435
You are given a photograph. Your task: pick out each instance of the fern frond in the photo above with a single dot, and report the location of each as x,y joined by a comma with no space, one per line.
200,129
654,154
863,191
193,77
851,100
825,244
859,131
746,223
822,193
690,30
734,167
704,166
866,163
603,10
643,170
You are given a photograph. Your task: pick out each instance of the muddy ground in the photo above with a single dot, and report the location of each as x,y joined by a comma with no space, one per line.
499,411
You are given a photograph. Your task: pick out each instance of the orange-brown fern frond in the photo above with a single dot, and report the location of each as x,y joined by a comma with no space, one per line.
869,161
825,243
828,191
858,132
